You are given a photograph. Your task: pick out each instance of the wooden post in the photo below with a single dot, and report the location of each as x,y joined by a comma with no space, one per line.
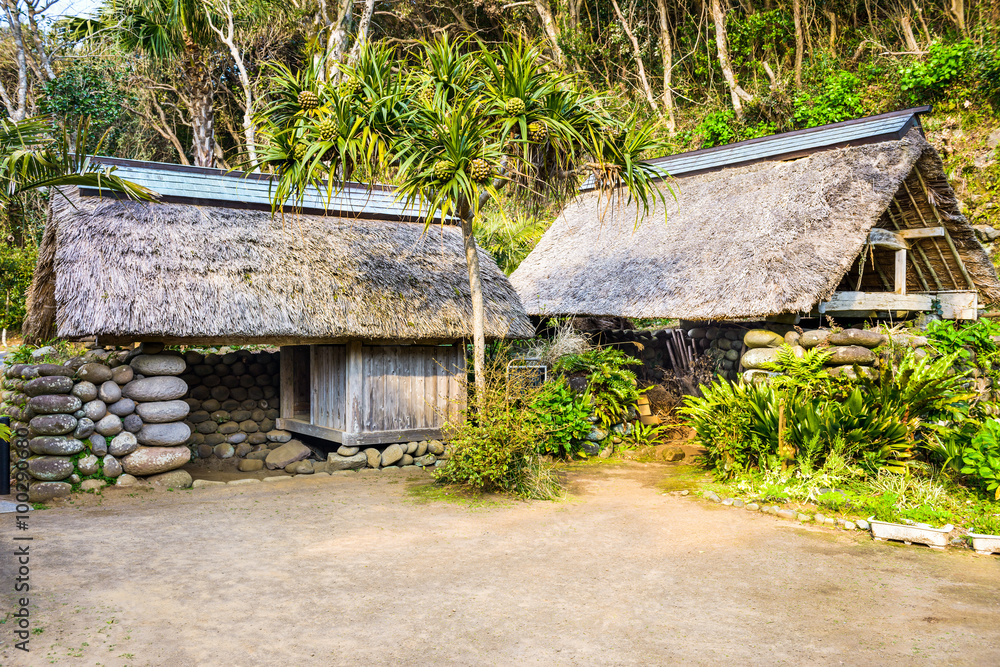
355,388
900,278
287,399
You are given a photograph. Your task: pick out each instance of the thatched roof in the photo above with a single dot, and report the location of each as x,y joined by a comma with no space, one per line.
746,242
131,270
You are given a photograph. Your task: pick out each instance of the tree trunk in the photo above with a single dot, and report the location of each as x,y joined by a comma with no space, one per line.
667,55
799,42
956,10
907,29
340,33
832,18
202,129
736,92
362,35
478,309
551,29
637,55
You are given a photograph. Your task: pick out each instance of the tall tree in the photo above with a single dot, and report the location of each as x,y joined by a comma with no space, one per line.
459,128
736,92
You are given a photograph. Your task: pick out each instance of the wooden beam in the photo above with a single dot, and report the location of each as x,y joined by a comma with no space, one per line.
868,301
959,305
922,233
913,258
899,283
357,439
913,201
355,387
287,399
947,237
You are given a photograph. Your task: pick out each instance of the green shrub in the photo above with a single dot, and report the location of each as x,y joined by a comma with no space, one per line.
17,265
495,447
612,387
837,99
928,79
561,416
982,458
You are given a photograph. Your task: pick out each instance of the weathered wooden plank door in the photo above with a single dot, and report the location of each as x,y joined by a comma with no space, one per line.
329,386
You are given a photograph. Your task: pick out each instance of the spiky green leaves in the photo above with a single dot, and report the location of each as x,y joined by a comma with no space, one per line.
308,100
480,170
514,106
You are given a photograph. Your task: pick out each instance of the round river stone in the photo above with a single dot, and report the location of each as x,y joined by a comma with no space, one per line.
161,412
50,468
164,435
162,388
55,445
153,460
53,424
52,384
158,364
55,404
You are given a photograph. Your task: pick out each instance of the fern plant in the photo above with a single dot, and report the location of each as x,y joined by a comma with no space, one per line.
612,387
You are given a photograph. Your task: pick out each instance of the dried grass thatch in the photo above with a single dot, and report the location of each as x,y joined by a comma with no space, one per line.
131,270
746,242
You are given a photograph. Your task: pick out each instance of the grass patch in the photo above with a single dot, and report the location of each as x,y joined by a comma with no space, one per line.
426,492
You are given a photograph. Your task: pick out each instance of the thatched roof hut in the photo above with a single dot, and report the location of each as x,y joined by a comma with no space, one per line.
772,237
184,272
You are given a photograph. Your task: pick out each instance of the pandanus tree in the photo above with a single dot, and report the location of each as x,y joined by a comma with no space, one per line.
455,128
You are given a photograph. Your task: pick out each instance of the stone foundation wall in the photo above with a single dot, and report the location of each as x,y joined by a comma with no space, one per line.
233,400
107,417
849,347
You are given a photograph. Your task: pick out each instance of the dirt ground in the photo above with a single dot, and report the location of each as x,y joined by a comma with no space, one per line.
378,569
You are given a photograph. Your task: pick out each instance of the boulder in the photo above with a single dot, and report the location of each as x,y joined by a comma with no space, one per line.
425,460
112,467
175,479
153,460
123,407
160,388
60,424
109,392
289,452
161,412
126,480
55,445
52,369
759,356
391,454
41,492
123,444
250,465
92,484
50,468
355,461
374,457
228,428
50,384
109,425
152,365
811,339
151,347
435,447
88,465
164,435
85,391
861,337
132,423
50,404
344,450
95,410
756,338
122,375
93,372
300,468
792,338
224,450
84,428
279,436
98,444
851,354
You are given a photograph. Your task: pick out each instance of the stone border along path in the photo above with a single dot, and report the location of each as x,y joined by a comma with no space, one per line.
207,483
819,519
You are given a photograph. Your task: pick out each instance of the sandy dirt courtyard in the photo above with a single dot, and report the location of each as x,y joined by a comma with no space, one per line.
372,569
